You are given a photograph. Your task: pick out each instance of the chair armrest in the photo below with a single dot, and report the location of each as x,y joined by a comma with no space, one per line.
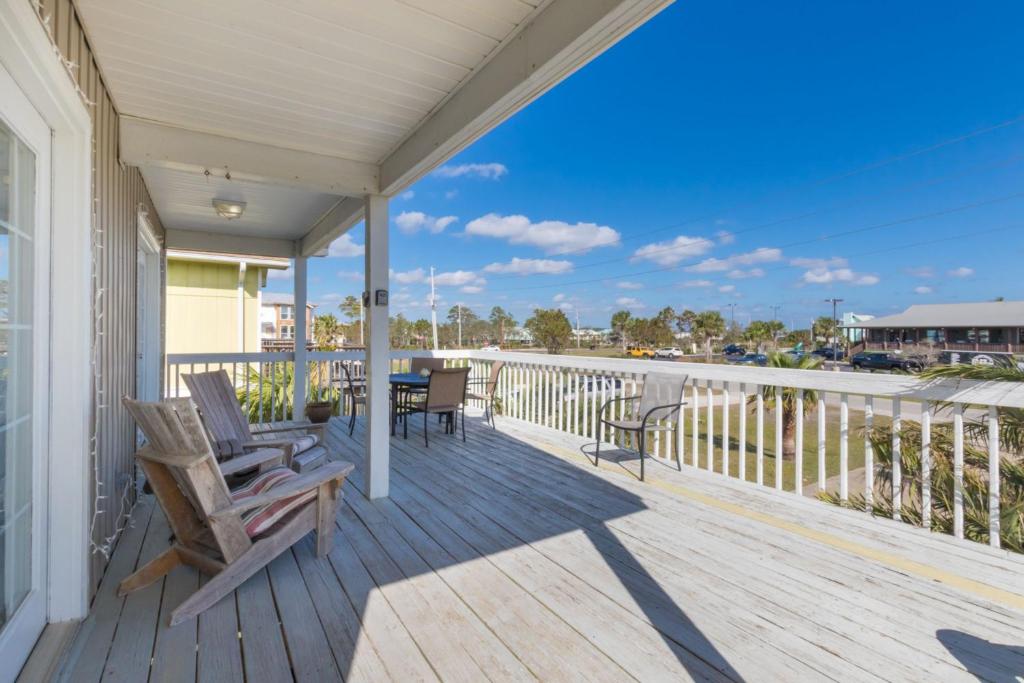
293,427
250,460
301,484
610,401
674,409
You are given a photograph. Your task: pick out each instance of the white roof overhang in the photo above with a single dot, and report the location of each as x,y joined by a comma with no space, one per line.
302,108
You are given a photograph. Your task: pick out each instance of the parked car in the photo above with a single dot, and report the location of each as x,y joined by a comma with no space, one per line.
593,386
639,352
827,353
734,350
491,347
749,359
881,360
669,352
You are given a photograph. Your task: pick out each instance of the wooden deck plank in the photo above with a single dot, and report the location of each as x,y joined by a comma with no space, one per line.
308,650
220,648
263,651
174,654
88,655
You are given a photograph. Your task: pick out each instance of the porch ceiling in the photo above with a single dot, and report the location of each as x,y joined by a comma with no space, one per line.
336,97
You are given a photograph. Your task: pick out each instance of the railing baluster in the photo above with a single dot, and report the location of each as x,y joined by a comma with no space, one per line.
798,463
993,477
927,411
725,428
710,464
779,441
897,462
741,451
600,434
680,444
592,397
822,474
844,447
759,419
869,452
695,397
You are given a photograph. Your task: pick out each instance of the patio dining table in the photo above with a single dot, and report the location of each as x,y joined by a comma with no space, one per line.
403,380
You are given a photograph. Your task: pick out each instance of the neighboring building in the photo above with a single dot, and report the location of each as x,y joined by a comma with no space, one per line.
987,326
519,335
277,321
854,334
213,301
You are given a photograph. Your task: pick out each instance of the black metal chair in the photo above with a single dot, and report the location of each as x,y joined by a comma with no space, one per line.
660,398
489,386
355,390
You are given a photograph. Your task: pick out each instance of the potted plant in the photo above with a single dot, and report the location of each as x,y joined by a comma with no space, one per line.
320,407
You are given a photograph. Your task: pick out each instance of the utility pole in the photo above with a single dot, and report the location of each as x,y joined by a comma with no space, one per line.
433,307
362,341
577,327
835,302
732,308
775,311
459,308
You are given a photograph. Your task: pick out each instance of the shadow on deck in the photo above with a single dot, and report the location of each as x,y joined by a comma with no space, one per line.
505,558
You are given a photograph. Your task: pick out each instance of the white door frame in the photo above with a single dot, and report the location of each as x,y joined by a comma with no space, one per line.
27,55
147,385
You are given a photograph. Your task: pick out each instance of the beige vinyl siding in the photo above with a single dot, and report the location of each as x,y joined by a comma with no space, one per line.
118,192
203,311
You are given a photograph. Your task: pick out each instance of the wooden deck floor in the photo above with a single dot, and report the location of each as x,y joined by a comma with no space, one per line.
511,557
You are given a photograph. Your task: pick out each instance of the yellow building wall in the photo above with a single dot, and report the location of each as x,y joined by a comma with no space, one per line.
202,308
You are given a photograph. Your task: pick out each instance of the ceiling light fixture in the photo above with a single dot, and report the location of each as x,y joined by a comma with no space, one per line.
227,208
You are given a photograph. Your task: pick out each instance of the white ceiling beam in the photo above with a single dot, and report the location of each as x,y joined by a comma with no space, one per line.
226,243
342,216
149,143
562,38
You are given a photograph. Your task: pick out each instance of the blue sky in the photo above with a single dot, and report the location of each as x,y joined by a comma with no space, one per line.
755,154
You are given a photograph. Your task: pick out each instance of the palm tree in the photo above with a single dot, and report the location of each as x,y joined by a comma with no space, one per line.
707,326
325,329
789,395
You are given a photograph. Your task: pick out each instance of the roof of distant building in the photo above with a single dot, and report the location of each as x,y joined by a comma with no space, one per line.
983,314
282,299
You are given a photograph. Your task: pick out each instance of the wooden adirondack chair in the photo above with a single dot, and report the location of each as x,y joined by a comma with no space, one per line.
232,434
228,535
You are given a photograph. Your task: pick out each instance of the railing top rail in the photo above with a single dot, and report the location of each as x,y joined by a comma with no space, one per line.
1004,394
252,357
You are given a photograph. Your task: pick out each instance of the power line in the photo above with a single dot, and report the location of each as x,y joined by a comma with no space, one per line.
1003,161
823,238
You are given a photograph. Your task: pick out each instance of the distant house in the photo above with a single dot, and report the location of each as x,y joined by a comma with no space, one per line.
213,301
853,333
519,335
986,326
277,321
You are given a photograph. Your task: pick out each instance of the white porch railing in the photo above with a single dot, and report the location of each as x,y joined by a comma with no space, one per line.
724,426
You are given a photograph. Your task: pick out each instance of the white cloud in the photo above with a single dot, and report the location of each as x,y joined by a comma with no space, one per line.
629,302
922,272
673,251
697,283
407,195
344,247
820,276
740,274
281,274
471,289
492,171
719,265
451,194
331,298
923,290
353,275
558,297
625,284
553,237
530,266
962,271
458,278
409,276
727,288
410,222
833,262
725,237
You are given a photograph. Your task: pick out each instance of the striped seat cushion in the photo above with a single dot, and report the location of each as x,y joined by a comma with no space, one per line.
260,519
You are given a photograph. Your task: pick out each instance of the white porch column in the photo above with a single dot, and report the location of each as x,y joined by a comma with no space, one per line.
378,409
299,314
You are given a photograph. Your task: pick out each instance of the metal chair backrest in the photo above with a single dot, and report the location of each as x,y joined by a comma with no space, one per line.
447,388
349,381
661,389
492,377
431,364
